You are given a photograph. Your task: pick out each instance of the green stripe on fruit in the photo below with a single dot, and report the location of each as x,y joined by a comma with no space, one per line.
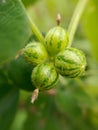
44,76
70,63
35,53
56,40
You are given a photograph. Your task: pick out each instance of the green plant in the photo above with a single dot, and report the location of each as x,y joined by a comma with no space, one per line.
71,62
72,104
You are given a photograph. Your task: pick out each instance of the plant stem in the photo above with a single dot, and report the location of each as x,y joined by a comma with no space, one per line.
36,31
75,19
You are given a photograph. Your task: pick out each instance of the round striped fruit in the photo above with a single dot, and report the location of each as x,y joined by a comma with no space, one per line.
71,62
44,76
56,40
35,53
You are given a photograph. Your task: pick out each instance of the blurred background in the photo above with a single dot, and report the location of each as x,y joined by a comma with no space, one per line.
73,104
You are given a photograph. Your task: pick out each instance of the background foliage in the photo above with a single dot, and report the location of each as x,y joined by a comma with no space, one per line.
73,104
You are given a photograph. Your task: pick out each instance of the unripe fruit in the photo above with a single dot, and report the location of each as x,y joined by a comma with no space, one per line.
44,76
35,53
70,63
56,40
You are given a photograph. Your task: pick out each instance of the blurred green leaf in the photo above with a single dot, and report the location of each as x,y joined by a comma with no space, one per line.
20,118
8,105
93,118
14,28
61,7
56,121
3,78
37,113
84,99
19,72
68,104
28,2
90,23
74,101
44,115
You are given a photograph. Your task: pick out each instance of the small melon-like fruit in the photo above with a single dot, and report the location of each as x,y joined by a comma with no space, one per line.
35,53
70,63
44,76
56,40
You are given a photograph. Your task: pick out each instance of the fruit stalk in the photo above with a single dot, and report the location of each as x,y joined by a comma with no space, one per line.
35,30
75,19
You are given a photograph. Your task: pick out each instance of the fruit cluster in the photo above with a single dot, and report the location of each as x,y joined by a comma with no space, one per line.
54,57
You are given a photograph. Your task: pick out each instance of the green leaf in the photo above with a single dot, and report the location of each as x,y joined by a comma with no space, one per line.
44,115
84,99
67,104
28,2
19,120
3,78
40,110
54,122
72,107
14,28
90,23
19,72
8,105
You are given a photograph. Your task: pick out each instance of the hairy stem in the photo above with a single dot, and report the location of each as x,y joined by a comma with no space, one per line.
36,31
75,19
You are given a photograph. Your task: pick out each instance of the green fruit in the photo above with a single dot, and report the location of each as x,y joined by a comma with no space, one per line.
71,62
44,76
35,53
56,40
